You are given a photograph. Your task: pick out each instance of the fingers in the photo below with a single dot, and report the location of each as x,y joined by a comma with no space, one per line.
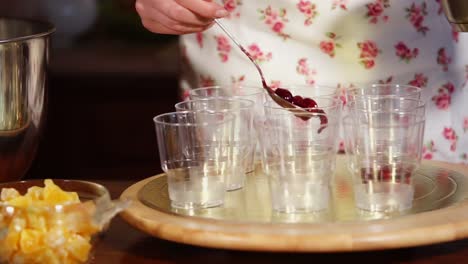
160,28
176,14
204,8
170,17
156,27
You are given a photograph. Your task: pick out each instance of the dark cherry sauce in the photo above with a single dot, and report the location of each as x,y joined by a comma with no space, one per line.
308,103
399,174
304,102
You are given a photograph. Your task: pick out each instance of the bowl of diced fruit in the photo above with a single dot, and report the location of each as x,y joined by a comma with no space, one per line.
53,221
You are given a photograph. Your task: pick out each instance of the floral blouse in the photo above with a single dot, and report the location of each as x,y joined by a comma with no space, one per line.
344,42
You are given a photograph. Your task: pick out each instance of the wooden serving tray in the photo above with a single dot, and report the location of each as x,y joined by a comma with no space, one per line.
246,221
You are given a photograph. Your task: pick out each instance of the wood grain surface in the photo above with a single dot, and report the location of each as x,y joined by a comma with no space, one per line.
443,225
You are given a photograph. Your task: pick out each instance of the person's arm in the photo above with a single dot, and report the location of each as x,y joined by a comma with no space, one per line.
178,16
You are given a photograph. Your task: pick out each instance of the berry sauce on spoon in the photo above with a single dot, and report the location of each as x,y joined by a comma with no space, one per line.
282,96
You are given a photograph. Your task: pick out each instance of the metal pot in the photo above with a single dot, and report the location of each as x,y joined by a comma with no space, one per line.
24,50
456,12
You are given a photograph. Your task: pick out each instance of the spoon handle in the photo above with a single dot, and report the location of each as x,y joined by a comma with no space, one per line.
229,34
280,101
269,90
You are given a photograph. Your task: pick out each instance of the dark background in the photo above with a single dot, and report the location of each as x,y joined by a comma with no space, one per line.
105,85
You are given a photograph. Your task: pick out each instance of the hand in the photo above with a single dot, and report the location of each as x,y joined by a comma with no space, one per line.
178,16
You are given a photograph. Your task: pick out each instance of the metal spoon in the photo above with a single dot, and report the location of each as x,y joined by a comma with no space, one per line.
271,93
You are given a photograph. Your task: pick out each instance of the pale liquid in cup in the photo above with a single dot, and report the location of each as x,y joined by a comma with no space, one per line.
250,167
384,196
191,188
242,163
385,189
298,197
302,184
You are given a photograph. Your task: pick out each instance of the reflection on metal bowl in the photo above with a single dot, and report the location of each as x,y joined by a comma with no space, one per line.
456,12
24,50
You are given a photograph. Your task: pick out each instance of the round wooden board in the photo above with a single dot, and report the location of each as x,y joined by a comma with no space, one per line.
424,228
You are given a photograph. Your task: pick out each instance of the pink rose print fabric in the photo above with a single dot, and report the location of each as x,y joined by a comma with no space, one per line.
343,43
275,84
442,59
223,47
276,20
329,46
376,11
386,81
231,7
404,53
309,10
416,15
341,4
440,8
444,98
465,124
451,136
237,80
420,80
257,54
464,157
466,77
303,69
369,51
199,37
455,35
428,150
206,81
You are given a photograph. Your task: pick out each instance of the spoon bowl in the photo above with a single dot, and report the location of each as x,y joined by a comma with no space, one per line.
279,100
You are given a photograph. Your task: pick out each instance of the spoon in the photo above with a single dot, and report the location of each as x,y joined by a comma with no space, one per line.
279,100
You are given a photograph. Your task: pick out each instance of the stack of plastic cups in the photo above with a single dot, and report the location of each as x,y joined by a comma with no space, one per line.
384,128
315,92
242,144
194,151
253,93
299,153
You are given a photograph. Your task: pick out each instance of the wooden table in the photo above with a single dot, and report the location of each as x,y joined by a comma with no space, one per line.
124,244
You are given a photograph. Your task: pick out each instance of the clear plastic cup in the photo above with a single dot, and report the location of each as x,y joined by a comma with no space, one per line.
384,152
299,152
194,149
243,144
253,93
383,90
388,104
312,90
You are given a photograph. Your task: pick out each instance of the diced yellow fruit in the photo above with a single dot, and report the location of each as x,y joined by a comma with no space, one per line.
11,240
8,194
37,234
70,261
4,255
48,256
54,195
35,193
79,220
78,247
8,246
21,258
31,241
49,183
56,237
37,221
18,258
17,224
3,220
20,201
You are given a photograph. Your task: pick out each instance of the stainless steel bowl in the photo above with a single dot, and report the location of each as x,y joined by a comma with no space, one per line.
24,51
456,12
